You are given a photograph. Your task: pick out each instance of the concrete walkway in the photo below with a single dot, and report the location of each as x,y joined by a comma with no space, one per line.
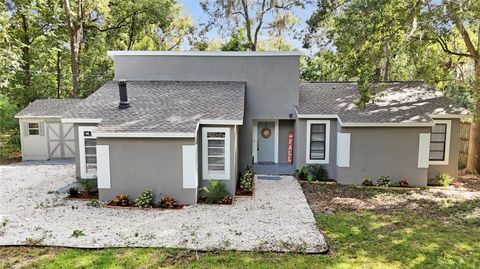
32,212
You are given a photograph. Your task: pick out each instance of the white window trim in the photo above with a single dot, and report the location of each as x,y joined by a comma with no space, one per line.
327,142
205,174
447,143
255,139
81,149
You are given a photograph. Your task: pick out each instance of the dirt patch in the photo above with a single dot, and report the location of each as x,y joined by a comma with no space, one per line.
449,204
10,160
470,182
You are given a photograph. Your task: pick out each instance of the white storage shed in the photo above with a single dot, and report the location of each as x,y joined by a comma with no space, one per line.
43,135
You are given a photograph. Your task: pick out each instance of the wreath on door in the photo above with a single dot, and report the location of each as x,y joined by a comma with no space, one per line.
266,132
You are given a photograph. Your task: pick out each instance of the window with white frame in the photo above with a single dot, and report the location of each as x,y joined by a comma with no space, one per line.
440,142
318,140
33,128
88,152
216,153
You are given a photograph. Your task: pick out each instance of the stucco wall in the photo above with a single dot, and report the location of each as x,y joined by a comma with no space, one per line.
384,151
272,82
301,145
284,127
138,164
452,167
232,183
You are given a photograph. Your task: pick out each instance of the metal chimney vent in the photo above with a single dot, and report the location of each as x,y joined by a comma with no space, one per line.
122,88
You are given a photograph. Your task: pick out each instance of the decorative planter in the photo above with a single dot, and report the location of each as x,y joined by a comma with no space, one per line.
146,208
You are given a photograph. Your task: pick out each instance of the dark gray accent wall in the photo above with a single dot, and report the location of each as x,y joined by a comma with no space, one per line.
301,145
137,164
384,151
452,167
272,82
284,126
234,169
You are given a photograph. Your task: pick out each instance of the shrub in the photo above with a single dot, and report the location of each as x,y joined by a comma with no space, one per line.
247,180
384,181
145,199
73,192
367,182
214,191
93,203
167,202
226,200
301,174
121,200
444,179
88,184
318,172
403,183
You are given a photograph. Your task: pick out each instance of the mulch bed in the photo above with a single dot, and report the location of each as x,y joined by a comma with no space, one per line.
241,193
10,160
84,196
132,206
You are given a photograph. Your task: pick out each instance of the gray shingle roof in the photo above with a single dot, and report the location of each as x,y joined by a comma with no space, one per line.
48,108
403,102
163,106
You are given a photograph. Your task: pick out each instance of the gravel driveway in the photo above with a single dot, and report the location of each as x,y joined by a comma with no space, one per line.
33,212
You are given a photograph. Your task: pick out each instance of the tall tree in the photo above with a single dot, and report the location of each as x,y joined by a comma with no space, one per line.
251,15
414,39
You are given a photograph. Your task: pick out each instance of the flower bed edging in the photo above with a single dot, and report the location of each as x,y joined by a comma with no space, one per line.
145,208
319,182
389,188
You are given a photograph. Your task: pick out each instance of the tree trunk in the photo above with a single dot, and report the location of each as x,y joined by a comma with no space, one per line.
27,75
386,64
59,75
75,34
472,159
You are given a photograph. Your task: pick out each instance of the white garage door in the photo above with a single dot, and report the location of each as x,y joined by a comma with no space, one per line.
60,140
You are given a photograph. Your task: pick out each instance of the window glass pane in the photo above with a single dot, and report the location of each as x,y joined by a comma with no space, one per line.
439,128
216,143
216,134
91,159
317,155
438,137
216,168
33,125
318,137
91,150
216,160
318,127
436,155
437,146
33,132
216,151
90,142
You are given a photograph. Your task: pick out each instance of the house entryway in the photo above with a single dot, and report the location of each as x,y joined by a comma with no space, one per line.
266,142
274,169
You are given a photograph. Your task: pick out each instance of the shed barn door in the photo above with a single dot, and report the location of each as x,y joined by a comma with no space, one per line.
60,139
54,139
68,140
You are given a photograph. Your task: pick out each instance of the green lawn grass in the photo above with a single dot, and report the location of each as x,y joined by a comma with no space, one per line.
357,239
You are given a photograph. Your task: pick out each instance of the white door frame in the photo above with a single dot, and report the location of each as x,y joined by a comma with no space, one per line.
81,149
255,138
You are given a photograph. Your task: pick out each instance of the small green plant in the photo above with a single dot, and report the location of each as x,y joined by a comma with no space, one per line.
367,182
318,172
167,202
93,203
73,192
247,180
444,179
403,183
226,200
77,233
88,184
145,199
120,200
301,174
214,191
384,181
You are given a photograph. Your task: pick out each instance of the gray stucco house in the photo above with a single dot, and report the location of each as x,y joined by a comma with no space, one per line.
172,120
